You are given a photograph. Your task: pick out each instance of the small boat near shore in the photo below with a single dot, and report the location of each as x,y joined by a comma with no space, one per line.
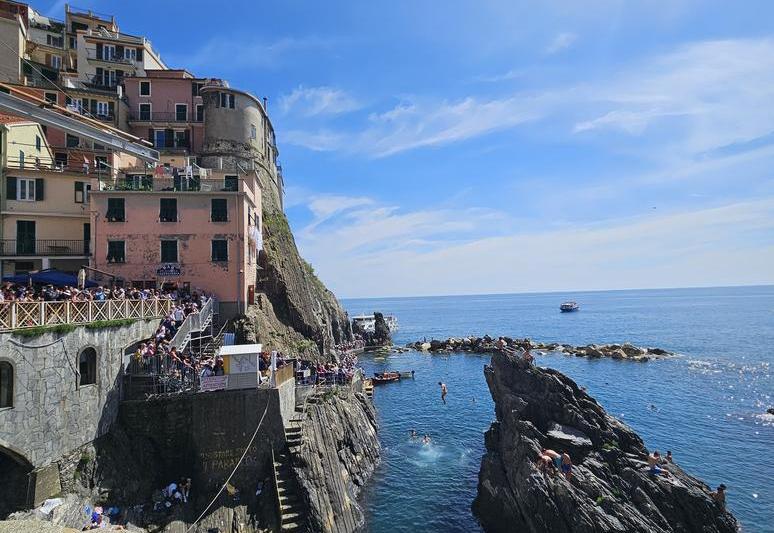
380,378
407,375
569,306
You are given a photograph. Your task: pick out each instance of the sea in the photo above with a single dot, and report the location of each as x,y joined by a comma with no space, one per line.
707,404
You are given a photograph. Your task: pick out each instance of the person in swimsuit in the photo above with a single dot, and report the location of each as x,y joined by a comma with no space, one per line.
720,496
654,462
443,391
426,439
566,466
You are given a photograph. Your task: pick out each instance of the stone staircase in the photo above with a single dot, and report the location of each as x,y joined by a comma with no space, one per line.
291,508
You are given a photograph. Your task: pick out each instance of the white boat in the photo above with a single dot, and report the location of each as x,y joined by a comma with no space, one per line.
368,322
568,307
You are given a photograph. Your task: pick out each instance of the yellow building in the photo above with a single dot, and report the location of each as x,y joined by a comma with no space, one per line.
44,211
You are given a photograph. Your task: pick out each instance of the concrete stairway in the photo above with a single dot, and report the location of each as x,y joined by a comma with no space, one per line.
291,509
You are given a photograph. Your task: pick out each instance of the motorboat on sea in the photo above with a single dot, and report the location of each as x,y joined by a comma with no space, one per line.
569,306
368,322
380,378
407,375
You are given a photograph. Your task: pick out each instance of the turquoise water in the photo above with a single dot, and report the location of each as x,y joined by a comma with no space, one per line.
706,405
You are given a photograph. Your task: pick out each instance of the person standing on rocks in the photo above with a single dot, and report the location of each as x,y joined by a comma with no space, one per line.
443,391
720,496
654,462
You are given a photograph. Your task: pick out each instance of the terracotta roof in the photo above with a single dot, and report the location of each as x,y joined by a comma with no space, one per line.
11,119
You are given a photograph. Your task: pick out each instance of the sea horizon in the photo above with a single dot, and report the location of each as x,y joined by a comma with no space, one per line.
558,291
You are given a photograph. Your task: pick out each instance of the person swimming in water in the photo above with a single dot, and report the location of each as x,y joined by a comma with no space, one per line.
444,390
413,434
426,439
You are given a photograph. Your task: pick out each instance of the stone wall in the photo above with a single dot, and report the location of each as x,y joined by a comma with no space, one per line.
202,436
52,414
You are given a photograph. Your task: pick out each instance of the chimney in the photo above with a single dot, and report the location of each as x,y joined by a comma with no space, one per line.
265,104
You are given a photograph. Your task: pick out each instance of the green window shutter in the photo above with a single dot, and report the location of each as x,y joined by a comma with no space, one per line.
78,189
39,189
10,188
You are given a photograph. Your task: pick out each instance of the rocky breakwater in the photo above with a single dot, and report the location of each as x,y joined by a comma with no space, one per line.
487,344
338,453
610,489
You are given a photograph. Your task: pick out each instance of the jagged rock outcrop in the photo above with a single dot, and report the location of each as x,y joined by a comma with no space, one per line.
339,453
611,488
300,306
380,336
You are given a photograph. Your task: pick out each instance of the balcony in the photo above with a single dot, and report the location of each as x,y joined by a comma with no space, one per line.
100,83
179,184
163,116
92,55
33,165
43,247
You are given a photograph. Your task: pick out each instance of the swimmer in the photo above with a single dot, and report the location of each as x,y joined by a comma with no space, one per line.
443,391
426,439
413,434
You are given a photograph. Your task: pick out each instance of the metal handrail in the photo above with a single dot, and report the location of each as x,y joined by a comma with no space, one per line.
50,247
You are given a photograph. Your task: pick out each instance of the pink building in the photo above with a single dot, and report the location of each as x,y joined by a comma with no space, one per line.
165,108
201,230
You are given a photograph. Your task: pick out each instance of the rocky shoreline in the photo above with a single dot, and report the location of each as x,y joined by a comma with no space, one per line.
611,487
487,344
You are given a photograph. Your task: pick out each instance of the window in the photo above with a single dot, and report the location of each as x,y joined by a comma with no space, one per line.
116,210
219,211
181,139
87,367
108,51
102,109
72,141
145,111
50,97
159,139
196,87
82,192
145,88
130,54
116,252
21,158
6,384
199,112
231,183
253,132
168,210
169,251
60,159
219,250
37,143
100,162
227,100
74,43
56,62
181,112
25,189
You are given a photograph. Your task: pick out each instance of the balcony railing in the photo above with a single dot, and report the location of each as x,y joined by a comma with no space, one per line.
31,164
180,184
16,315
99,82
43,247
163,116
109,58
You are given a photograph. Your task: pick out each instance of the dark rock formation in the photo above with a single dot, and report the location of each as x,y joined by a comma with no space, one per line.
339,453
487,344
610,490
294,311
380,336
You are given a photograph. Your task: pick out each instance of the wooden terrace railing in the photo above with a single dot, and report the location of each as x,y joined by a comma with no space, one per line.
18,315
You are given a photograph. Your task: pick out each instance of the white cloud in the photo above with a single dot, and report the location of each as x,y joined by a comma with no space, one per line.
312,101
561,42
226,54
709,95
438,251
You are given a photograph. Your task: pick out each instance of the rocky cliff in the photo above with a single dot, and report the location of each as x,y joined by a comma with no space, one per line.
339,453
294,311
610,489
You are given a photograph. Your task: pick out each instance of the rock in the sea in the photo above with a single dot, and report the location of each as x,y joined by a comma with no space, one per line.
610,489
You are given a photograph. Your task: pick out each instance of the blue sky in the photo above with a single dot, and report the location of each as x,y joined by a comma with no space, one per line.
453,147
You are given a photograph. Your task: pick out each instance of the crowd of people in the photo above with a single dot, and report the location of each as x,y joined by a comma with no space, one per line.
15,292
350,346
158,356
